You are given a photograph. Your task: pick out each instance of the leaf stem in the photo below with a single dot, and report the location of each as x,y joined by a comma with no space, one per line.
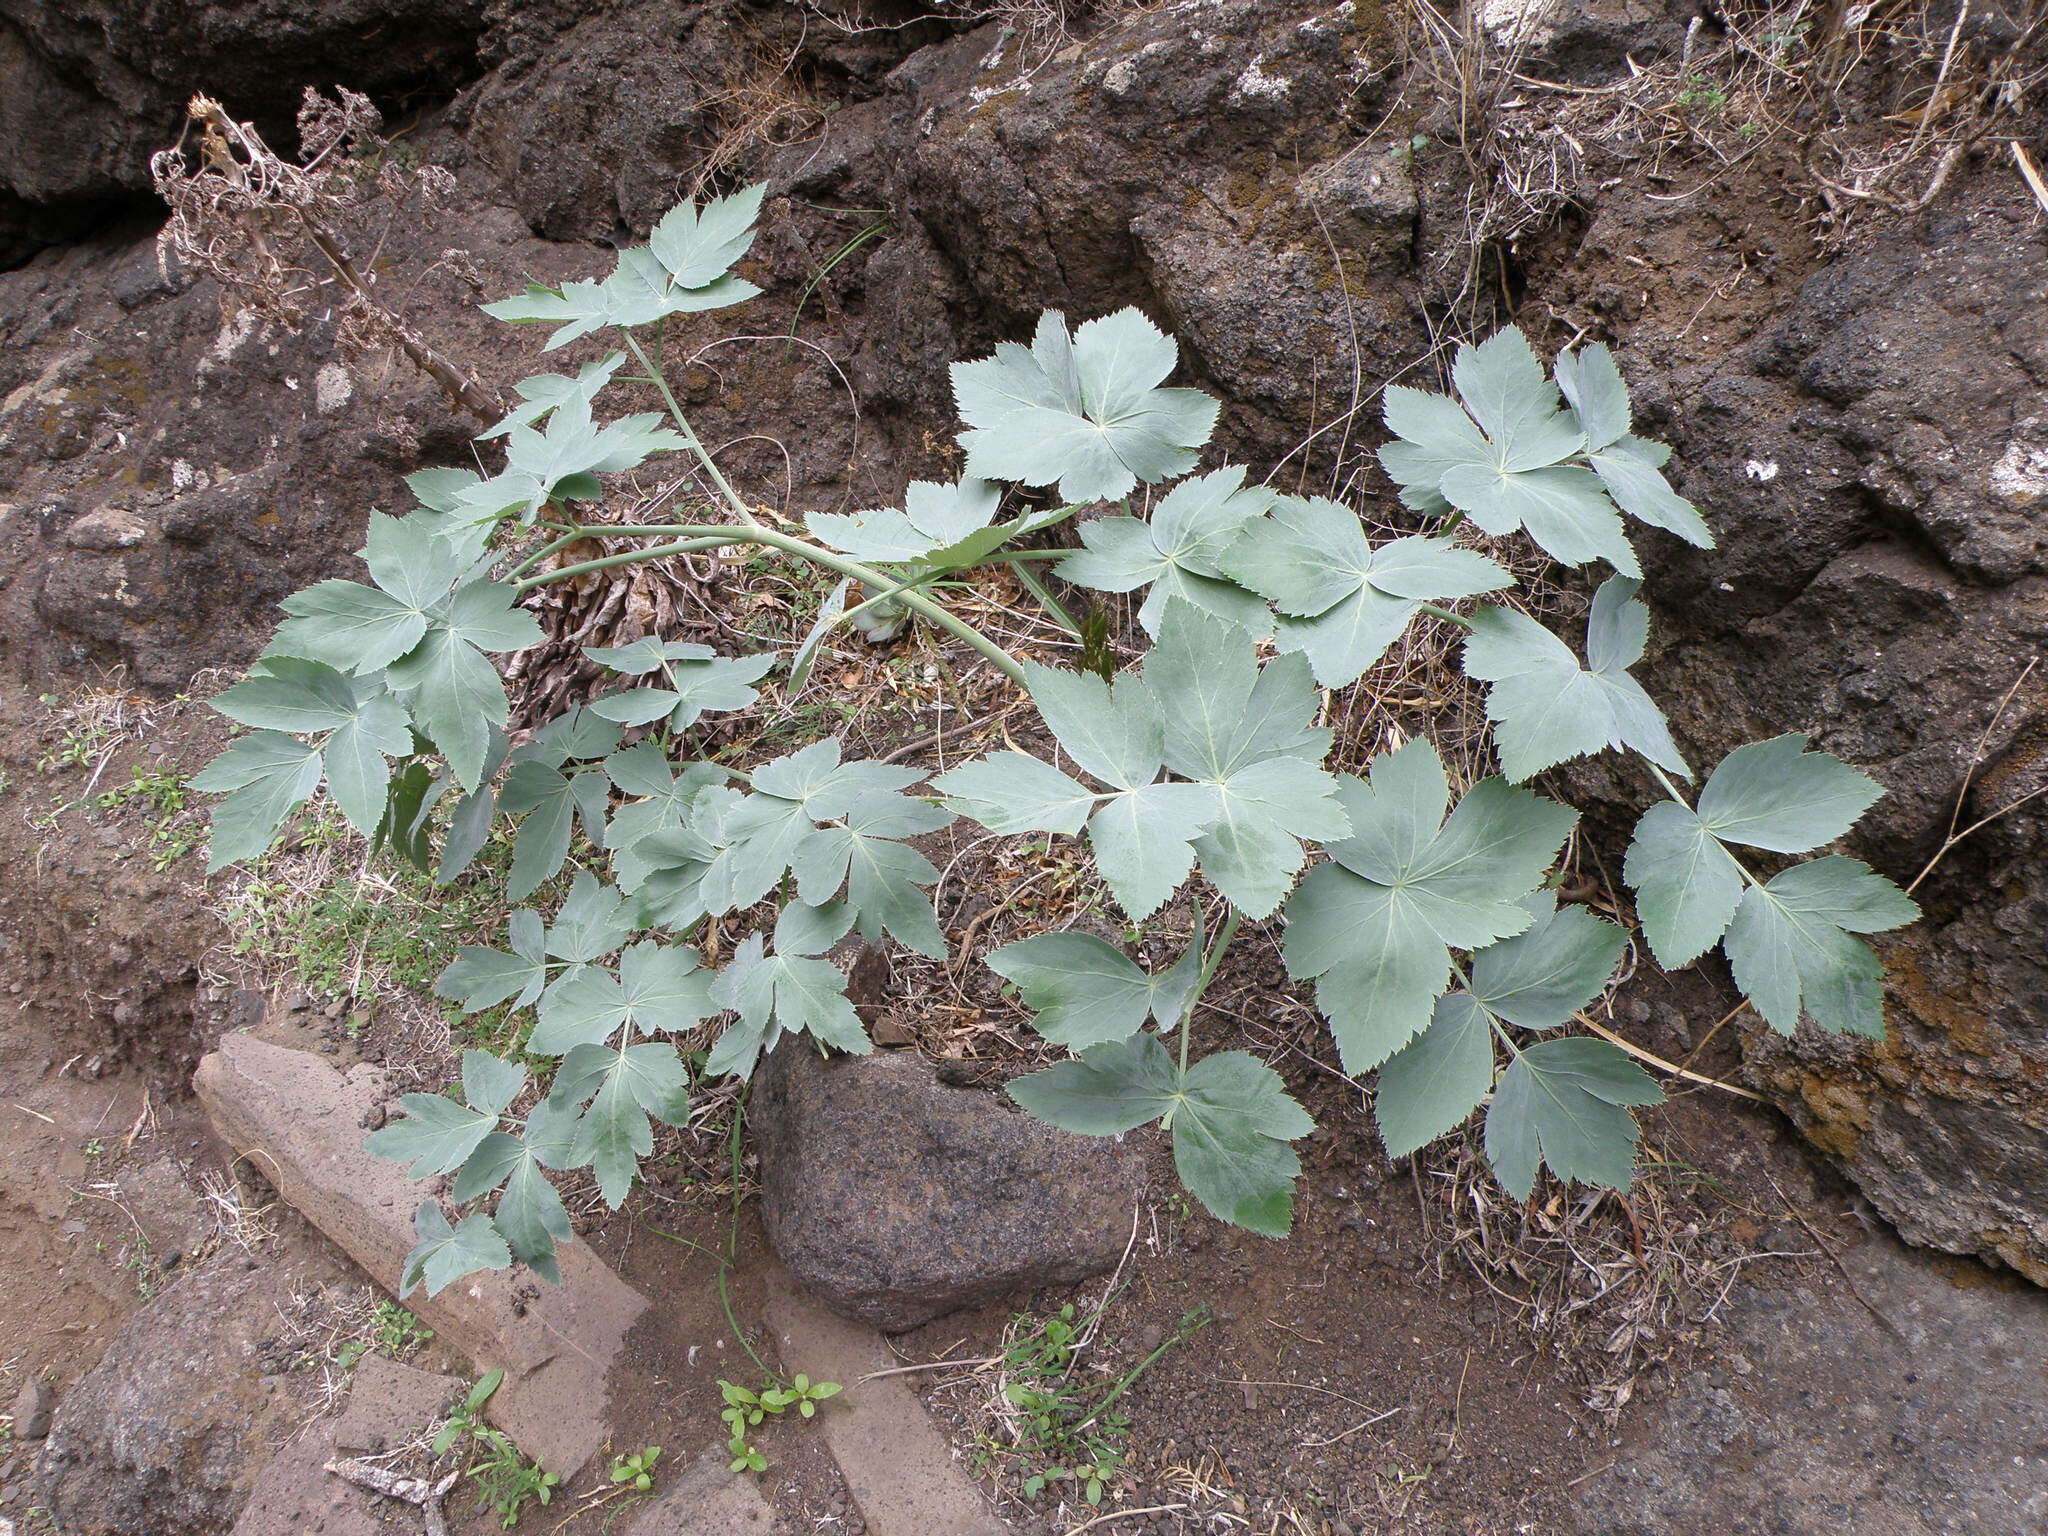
1210,962
689,433
1444,613
708,536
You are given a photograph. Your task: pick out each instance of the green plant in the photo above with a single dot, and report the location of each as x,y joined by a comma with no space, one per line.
637,1469
157,789
392,1331
505,1480
1060,1431
745,1408
1427,921
1701,95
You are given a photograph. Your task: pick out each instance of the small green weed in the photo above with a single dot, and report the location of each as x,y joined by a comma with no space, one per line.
744,1409
638,1468
393,1331
1060,1431
1701,95
504,1479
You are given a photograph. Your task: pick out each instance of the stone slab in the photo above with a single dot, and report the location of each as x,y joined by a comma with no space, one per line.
389,1403
302,1123
297,1496
711,1500
897,1465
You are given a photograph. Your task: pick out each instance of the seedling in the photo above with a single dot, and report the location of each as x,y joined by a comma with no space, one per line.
745,1409
1439,954
637,1469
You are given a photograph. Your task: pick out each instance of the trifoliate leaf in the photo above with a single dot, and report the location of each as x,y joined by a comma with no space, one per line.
444,1254
1436,1080
1791,949
1086,991
1178,551
1341,601
1546,708
1539,978
560,460
1248,734
1082,410
266,776
661,803
1687,885
1565,1103
1409,885
818,780
455,696
933,518
543,392
639,291
1777,795
880,876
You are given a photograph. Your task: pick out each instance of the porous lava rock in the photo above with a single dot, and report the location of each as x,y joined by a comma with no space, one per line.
895,1198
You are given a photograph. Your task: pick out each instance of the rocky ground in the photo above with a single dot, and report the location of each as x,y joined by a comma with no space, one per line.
1310,196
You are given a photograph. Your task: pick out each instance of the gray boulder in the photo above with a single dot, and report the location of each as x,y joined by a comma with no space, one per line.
894,1198
166,1435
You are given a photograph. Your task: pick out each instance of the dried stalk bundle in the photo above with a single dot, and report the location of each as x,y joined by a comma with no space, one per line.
265,227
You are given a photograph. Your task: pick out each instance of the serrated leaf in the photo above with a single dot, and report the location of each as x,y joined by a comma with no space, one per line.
647,654
1108,1090
1342,602
626,1086
1777,795
658,988
1565,1103
490,1083
531,1217
639,291
1687,885
444,1254
1085,991
699,244
1791,949
1176,553
880,876
1082,410
1408,886
804,929
543,393
434,1134
1546,708
356,754
1539,978
480,977
1434,1082
1248,734
265,776
1230,1133
301,698
1014,792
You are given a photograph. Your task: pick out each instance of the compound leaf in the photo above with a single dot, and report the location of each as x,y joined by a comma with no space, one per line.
1083,410
1015,792
434,1134
266,776
934,521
